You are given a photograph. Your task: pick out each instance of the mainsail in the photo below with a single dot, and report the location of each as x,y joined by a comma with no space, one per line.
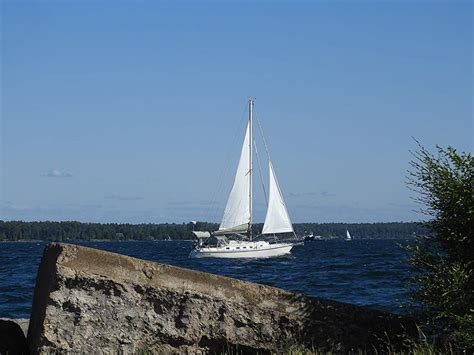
277,219
237,214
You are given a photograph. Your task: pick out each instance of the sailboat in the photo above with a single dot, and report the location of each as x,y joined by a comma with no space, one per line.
234,237
348,235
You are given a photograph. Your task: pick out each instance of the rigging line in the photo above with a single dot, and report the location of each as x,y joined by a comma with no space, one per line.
270,161
268,156
263,138
225,171
214,207
260,171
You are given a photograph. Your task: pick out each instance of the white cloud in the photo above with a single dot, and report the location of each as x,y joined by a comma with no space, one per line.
323,193
123,198
57,173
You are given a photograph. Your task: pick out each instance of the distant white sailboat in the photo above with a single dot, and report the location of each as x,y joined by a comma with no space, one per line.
234,237
348,235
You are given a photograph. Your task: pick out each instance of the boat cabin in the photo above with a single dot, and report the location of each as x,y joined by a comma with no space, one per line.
216,241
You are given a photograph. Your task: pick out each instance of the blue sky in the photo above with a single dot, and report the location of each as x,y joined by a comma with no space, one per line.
135,111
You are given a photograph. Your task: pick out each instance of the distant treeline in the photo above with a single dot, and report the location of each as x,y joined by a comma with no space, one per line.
64,231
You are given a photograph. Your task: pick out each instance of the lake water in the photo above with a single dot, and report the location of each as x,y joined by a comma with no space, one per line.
364,272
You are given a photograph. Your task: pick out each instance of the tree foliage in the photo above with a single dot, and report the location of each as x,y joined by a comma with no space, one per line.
71,230
443,263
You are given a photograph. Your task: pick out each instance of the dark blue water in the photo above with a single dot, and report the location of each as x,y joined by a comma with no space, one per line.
363,272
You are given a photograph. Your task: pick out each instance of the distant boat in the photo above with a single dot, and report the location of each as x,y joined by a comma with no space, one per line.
308,237
311,237
234,237
348,235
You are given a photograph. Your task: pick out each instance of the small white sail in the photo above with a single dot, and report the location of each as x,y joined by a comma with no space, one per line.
277,219
237,211
348,235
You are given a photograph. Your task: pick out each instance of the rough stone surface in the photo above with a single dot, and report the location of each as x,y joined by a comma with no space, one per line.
92,301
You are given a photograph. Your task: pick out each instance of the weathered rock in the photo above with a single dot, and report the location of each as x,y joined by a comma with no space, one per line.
88,301
12,336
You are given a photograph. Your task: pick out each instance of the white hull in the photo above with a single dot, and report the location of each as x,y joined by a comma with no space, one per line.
243,250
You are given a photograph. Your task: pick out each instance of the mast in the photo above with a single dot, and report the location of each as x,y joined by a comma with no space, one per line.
250,163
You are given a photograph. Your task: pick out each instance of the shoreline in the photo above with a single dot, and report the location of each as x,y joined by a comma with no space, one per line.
93,240
185,240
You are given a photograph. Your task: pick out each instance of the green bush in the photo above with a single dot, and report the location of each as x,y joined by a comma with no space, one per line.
443,282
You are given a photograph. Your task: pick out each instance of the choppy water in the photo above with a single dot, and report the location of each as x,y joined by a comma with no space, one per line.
364,272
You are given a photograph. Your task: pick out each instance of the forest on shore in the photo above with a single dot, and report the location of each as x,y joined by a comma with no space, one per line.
72,230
